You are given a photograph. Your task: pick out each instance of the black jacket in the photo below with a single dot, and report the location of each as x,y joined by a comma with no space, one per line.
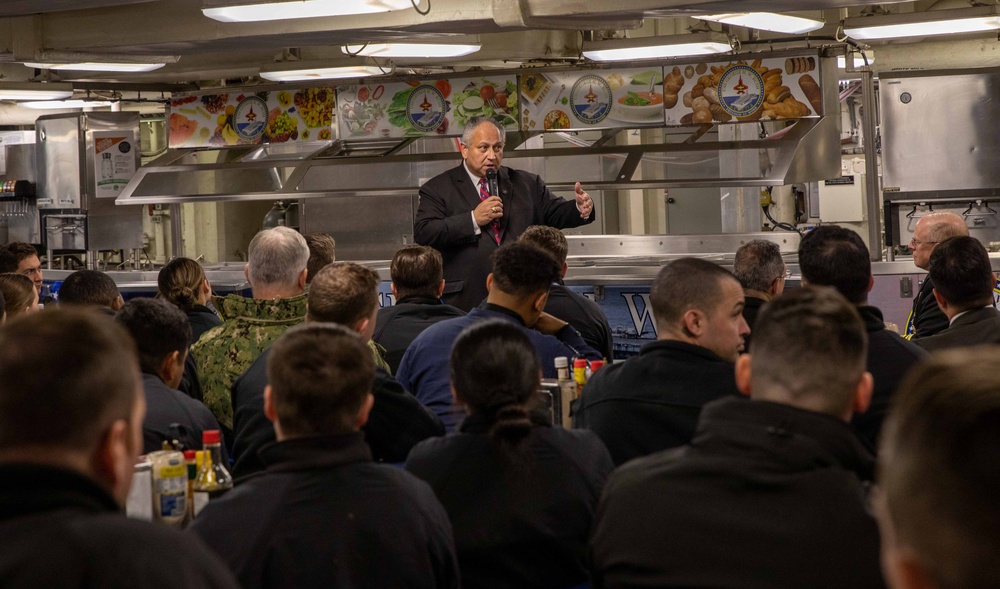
190,381
889,358
324,515
60,529
766,496
202,319
396,423
651,402
751,308
517,526
399,324
926,315
171,414
444,222
981,326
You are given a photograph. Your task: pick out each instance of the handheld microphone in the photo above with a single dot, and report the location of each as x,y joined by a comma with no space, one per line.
491,182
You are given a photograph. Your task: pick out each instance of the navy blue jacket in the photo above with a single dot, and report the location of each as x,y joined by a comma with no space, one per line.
170,414
424,369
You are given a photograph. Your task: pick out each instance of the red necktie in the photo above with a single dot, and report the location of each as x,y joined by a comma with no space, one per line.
484,193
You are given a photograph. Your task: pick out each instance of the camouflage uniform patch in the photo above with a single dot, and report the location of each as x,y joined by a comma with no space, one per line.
225,352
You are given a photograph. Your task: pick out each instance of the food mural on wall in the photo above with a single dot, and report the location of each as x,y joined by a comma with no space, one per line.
425,107
738,91
595,99
247,117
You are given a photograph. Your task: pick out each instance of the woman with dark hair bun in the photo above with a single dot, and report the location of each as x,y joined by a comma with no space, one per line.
520,493
182,282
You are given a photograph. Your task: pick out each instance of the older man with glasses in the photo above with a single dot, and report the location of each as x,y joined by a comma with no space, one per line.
926,318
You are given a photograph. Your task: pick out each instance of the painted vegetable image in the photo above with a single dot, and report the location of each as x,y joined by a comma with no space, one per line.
488,98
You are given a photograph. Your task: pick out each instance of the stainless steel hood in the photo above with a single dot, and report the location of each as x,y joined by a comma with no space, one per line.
680,157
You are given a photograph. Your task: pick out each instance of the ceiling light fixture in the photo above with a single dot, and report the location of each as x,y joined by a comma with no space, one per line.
923,24
296,71
69,103
35,90
93,66
656,47
858,60
252,12
412,49
767,21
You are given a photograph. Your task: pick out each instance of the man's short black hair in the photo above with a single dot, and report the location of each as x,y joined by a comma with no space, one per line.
12,254
686,283
322,252
417,270
549,239
521,269
961,272
89,288
834,256
158,328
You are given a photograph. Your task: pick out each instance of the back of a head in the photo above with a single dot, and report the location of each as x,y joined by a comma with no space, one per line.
809,350
179,282
961,273
89,288
758,264
158,329
938,467
944,225
417,270
495,371
320,375
66,376
547,238
322,251
343,293
684,284
834,256
12,254
18,293
523,270
276,257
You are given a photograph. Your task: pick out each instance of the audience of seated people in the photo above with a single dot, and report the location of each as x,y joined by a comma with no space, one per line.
759,267
520,493
344,293
323,513
769,488
417,276
963,289
162,334
71,413
926,318
836,256
518,289
651,402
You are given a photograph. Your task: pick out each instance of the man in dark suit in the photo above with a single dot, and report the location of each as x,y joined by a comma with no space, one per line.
459,217
963,288
837,257
926,317
761,271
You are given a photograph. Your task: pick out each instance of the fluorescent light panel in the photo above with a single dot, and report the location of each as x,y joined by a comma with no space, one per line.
767,21
93,66
858,61
70,103
411,49
657,47
35,91
923,24
302,9
319,73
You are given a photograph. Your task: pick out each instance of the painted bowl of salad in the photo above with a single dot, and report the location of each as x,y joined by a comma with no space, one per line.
638,106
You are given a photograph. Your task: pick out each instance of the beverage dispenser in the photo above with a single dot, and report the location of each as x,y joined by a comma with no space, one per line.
83,162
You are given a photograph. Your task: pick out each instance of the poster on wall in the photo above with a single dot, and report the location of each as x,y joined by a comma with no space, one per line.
242,117
598,99
425,107
114,161
740,91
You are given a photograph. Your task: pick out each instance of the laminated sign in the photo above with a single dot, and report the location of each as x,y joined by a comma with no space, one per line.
114,162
